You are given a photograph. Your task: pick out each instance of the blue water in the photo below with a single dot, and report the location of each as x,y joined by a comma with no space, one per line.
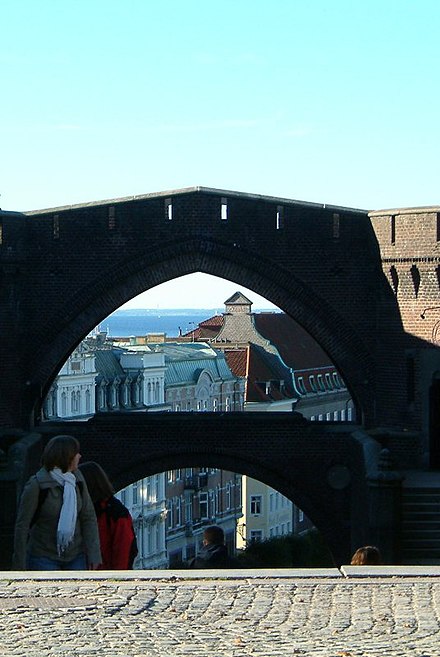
123,324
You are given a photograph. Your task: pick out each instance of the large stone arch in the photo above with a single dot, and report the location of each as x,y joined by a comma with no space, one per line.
82,311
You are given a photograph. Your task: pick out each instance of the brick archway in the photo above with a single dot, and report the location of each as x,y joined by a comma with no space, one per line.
129,279
347,277
68,268
284,451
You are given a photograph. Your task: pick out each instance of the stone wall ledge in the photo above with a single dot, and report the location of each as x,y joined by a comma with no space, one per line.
347,572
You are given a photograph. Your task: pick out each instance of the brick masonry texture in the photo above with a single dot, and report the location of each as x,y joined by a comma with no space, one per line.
357,283
57,284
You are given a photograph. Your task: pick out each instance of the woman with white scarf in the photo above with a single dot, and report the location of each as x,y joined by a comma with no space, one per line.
56,527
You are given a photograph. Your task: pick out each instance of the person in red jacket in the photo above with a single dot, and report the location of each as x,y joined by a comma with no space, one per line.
115,524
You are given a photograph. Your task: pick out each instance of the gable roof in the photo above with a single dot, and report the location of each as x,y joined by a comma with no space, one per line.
238,298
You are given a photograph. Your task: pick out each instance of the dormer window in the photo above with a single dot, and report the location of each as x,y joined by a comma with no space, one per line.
301,385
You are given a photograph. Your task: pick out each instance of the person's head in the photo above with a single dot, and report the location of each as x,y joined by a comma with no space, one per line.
213,536
98,483
366,556
61,452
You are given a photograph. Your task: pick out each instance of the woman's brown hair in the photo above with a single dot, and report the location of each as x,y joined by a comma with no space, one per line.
366,556
60,452
98,483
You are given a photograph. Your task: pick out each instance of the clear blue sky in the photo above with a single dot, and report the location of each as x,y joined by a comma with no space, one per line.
332,101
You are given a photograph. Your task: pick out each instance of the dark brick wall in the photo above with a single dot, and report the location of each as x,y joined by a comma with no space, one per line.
282,450
357,283
82,262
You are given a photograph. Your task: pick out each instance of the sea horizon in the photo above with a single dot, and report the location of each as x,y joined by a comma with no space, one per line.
171,321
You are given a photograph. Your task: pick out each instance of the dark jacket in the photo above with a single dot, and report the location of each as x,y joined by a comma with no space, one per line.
213,556
116,533
38,535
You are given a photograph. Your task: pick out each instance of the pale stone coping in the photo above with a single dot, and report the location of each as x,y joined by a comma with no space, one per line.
390,571
188,190
348,572
396,211
172,575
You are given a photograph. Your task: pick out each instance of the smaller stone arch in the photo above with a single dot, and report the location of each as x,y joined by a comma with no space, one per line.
301,460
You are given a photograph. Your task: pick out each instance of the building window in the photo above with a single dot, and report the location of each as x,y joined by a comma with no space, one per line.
228,495
328,381
224,209
328,417
169,514
393,229
256,505
256,535
63,404
335,416
203,505
88,401
321,383
336,380
178,511
214,405
135,489
301,385
271,496
168,209
312,383
300,515
227,404
189,514
280,217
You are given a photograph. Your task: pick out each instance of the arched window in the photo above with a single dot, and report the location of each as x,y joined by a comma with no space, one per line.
88,401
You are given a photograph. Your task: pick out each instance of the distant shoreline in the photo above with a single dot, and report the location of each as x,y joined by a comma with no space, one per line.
171,321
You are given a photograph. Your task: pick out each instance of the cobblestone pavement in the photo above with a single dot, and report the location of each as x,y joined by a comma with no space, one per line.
230,617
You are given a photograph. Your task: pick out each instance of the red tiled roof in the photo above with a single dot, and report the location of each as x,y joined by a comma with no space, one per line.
237,359
207,329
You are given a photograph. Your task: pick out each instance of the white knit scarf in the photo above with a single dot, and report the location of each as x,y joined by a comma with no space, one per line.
67,519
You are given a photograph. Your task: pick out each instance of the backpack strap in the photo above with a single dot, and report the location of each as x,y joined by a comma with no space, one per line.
41,499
